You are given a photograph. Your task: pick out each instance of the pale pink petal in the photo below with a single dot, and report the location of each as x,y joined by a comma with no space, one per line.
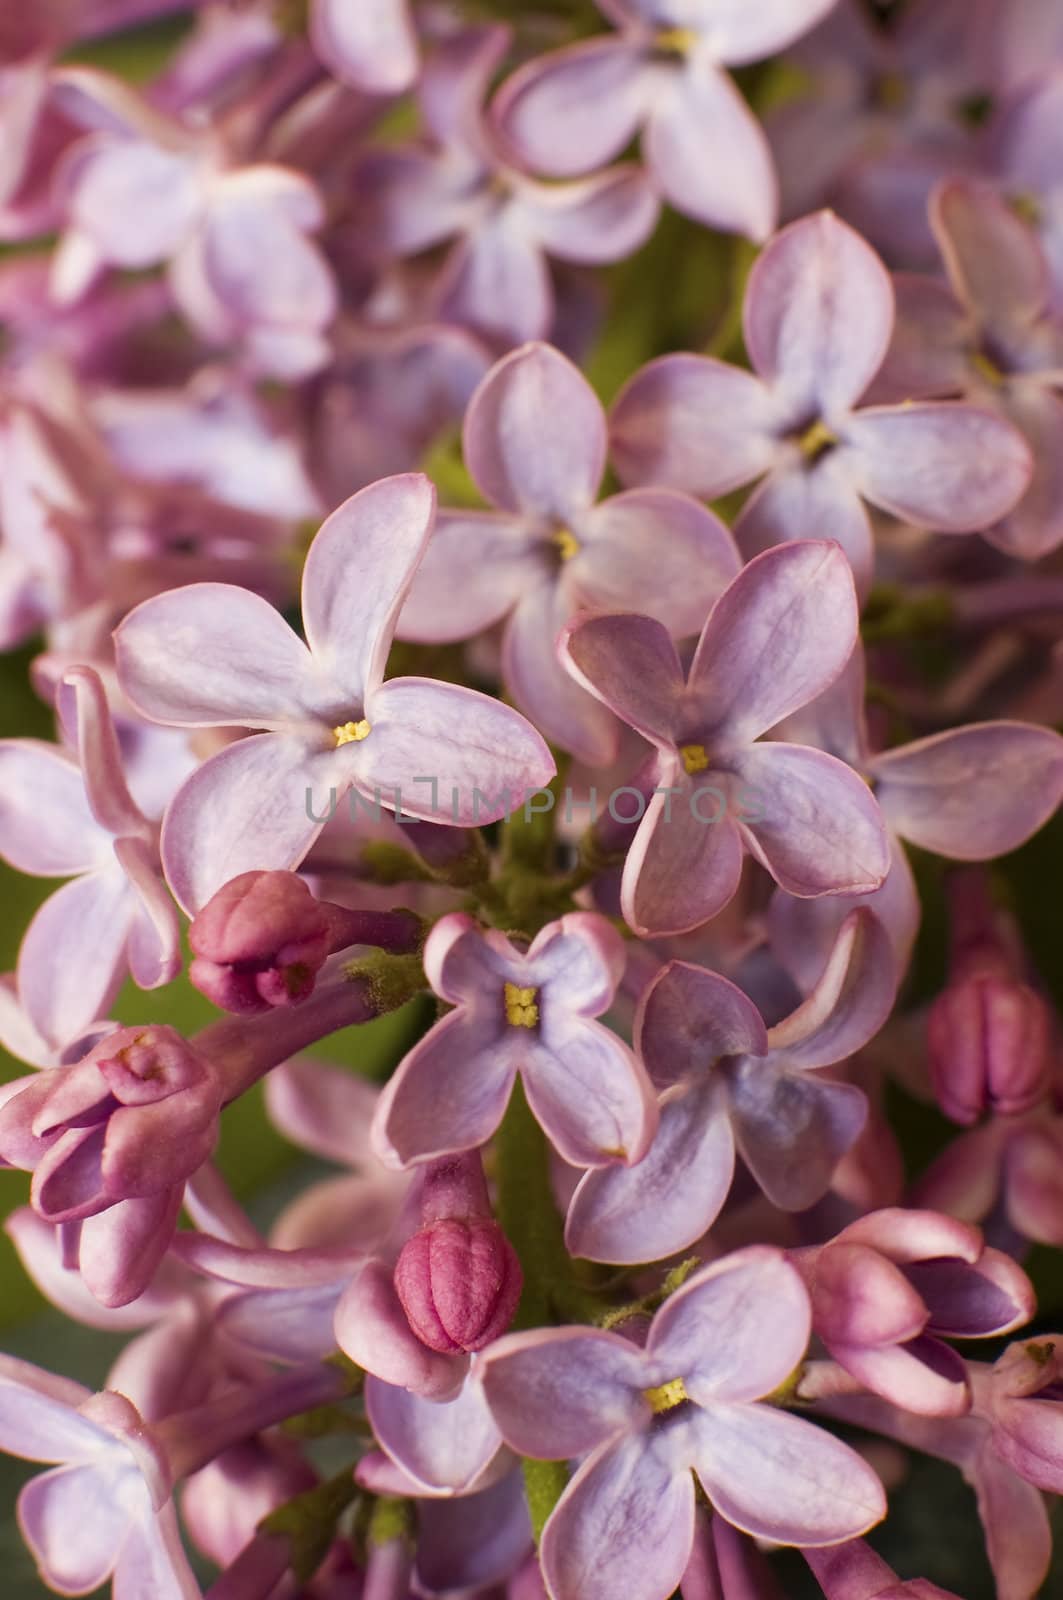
442,1446
476,567
709,154
370,45
39,1417
496,281
75,1522
545,691
592,221
630,664
810,502
575,109
448,1094
559,1392
738,32
46,826
73,955
591,1096
682,869
849,1002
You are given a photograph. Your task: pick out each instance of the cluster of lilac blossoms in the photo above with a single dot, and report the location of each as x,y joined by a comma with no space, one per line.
536,526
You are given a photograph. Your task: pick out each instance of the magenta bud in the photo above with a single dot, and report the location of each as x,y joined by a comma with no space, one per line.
260,942
989,1045
459,1283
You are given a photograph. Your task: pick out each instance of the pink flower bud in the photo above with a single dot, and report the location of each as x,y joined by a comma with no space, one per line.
260,942
988,1038
459,1283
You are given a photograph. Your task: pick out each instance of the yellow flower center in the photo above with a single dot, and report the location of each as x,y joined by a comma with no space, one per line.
890,92
521,1008
351,733
676,41
987,369
1027,208
694,757
666,1396
816,441
567,543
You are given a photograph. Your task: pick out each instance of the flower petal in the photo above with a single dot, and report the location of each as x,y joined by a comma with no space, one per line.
689,1018
573,110
972,793
701,111
444,1446
476,567
323,1109
810,502
39,1416
559,1392
247,808
448,1094
535,435
767,648
818,317
690,422
545,691
666,1201
848,1004
739,33
370,46
820,831
736,1329
682,869
496,281
781,1478
954,468
588,1092
46,826
357,573
212,655
452,754
371,1328
592,221
135,201
792,1130
630,664
73,955
75,1522
625,1525
994,261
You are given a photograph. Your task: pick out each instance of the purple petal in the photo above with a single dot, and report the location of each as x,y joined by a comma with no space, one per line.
476,567
122,1248
680,870
666,1201
293,1325
818,316
803,502
950,467
559,1392
39,1417
929,354
414,198
575,109
443,1446
1014,1519
702,110
860,1298
479,1540
496,281
972,1302
82,704
371,1328
544,690
781,1478
689,1018
245,809
581,957
38,1248
592,221
449,1092
254,256
535,435
213,655
625,1525
153,1561
739,33
994,261
1035,526
766,649
589,1093
356,576
849,1002
922,1376
76,1519
656,547
454,755
820,831
972,793
792,1130
689,422
736,1329
154,947
135,201
46,827
73,955
371,45
323,1109
630,664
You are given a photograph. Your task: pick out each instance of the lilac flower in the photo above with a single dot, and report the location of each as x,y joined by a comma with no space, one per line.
105,1509
572,110
495,279
1006,1174
371,45
888,1286
215,655
528,1012
535,444
970,793
777,636
62,819
144,189
880,118
818,317
993,337
1024,151
726,1081
647,1419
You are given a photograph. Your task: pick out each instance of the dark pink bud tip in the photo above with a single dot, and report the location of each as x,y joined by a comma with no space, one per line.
260,942
988,1038
459,1283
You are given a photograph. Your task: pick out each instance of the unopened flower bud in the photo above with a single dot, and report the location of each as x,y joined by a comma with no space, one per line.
459,1283
988,1038
260,942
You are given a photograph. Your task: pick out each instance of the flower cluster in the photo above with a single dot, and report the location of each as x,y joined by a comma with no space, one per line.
544,523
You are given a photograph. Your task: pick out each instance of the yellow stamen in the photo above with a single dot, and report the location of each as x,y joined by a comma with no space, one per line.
987,369
666,1396
521,1008
567,543
351,733
1027,208
816,440
676,41
695,758
890,92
